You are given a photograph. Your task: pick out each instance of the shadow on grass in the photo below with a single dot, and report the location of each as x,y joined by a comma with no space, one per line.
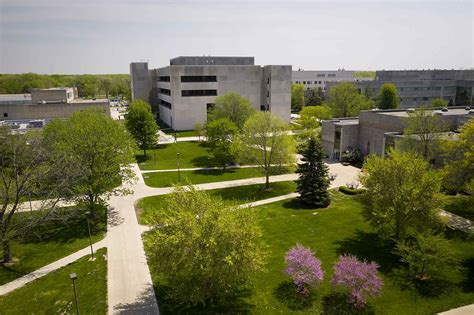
372,247
468,283
296,204
215,172
233,304
427,288
203,161
337,304
286,294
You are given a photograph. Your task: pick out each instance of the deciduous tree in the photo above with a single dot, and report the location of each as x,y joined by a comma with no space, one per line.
311,115
345,100
303,268
297,96
220,133
141,124
316,97
234,107
387,97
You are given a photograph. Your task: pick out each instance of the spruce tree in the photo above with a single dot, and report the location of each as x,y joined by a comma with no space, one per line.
313,183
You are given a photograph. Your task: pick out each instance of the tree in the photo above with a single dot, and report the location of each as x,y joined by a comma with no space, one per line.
428,257
316,97
141,124
27,169
303,268
100,151
458,173
313,180
311,115
265,142
387,97
439,102
359,279
234,107
402,193
105,85
422,132
220,133
199,129
346,101
297,96
202,247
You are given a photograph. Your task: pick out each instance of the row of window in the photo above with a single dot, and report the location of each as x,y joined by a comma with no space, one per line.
424,98
191,78
330,75
164,91
165,104
424,88
164,79
310,82
187,93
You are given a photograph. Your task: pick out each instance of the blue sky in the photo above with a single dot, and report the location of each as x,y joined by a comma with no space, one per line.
104,36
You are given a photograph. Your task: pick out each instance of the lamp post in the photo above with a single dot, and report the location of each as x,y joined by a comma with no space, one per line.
73,277
90,216
177,162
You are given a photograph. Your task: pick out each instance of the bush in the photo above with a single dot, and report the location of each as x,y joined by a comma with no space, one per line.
303,268
351,191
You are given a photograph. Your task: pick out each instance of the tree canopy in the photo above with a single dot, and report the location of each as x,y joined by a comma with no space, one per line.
387,97
220,133
234,107
141,124
311,115
316,97
297,96
345,100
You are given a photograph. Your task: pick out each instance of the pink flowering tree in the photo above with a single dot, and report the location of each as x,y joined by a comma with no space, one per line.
303,268
359,279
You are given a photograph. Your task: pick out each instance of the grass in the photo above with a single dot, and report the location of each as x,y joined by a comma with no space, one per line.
53,293
180,134
149,206
329,233
192,154
460,205
51,241
167,179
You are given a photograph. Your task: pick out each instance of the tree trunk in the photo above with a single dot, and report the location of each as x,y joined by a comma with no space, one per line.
144,152
267,181
6,249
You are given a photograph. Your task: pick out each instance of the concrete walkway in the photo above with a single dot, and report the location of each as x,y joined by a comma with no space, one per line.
18,283
458,222
463,310
198,169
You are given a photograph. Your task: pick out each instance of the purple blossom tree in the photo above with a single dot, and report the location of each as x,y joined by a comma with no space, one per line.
359,278
303,268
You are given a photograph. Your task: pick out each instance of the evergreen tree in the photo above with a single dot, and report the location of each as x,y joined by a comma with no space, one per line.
313,183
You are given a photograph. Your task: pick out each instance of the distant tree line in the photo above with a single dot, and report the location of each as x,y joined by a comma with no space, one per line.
88,85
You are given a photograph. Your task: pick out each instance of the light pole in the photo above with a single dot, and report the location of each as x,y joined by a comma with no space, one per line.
90,216
177,162
73,277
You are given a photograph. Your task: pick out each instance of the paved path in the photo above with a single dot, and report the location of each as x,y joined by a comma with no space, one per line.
198,169
17,283
463,310
458,222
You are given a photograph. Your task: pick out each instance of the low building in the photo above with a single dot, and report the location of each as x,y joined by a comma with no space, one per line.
183,92
314,79
46,104
374,131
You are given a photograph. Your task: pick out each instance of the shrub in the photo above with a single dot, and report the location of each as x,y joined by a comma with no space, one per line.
351,191
359,279
304,269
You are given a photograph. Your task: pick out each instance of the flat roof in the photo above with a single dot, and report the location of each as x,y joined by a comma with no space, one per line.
457,111
15,97
80,100
346,122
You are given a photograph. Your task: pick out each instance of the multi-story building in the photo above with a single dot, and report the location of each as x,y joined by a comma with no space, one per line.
318,79
185,91
420,87
376,130
46,104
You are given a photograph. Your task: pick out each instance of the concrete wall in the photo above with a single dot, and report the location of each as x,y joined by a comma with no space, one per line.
279,89
52,95
211,61
140,81
328,130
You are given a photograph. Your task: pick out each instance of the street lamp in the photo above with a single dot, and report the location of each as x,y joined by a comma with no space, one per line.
177,162
90,216
73,277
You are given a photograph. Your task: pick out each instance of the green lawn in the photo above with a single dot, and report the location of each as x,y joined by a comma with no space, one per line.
51,241
460,205
330,232
53,293
240,195
169,131
167,179
192,154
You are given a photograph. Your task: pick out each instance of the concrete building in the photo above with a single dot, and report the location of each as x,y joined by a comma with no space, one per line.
46,104
376,130
320,79
420,87
185,91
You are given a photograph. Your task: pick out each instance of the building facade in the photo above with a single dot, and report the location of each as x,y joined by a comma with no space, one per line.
321,79
185,91
46,104
376,130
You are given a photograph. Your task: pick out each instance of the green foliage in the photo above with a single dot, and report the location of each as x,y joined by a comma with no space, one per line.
297,96
98,148
141,124
428,258
265,141
220,133
234,107
313,180
204,249
346,101
439,102
364,74
459,160
88,85
310,115
422,133
316,97
351,191
402,194
387,97
199,130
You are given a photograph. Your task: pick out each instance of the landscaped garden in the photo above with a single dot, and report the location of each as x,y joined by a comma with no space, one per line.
460,205
51,240
53,293
330,232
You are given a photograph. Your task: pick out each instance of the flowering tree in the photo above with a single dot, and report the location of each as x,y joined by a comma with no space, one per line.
303,268
358,278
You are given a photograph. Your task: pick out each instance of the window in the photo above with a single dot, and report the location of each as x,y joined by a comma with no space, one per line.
164,79
426,98
189,93
310,82
268,80
332,75
165,104
164,91
321,75
264,108
304,82
5,115
268,93
198,78
319,82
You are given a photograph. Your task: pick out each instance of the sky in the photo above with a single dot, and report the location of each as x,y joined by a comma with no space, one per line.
104,36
